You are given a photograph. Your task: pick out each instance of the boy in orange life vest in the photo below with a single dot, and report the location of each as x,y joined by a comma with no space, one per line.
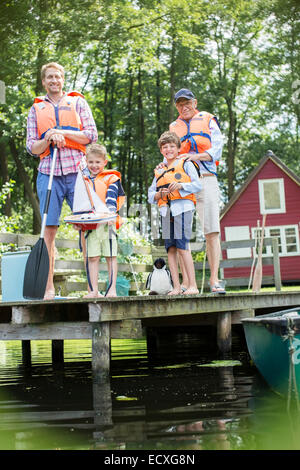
107,185
173,190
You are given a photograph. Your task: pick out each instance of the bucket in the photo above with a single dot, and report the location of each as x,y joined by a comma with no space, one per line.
13,265
123,286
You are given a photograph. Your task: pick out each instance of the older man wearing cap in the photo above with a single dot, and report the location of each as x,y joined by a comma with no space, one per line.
202,142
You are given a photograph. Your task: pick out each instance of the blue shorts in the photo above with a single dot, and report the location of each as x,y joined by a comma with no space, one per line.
177,231
62,188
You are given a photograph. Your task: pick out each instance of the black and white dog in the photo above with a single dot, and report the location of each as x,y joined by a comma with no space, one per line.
159,282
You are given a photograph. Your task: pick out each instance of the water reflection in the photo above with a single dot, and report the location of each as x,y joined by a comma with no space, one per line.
187,399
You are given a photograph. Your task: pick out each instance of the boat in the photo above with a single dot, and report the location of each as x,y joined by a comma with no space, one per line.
89,220
273,342
88,210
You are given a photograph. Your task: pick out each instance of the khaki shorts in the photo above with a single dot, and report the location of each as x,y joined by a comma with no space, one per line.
98,243
208,205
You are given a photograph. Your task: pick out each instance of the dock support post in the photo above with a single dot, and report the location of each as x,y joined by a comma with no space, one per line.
57,350
26,352
101,349
224,339
102,405
152,343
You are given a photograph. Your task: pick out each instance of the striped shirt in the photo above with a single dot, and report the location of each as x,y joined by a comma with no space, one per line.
67,158
114,190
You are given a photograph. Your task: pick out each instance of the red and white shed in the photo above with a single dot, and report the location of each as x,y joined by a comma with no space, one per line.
272,189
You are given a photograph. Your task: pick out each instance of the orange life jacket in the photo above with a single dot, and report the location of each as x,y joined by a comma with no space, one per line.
173,174
100,185
195,135
62,116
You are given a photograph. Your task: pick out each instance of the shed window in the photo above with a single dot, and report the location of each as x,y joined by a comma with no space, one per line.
271,196
288,239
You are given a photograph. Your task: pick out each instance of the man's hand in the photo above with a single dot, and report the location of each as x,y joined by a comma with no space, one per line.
191,157
194,157
56,137
161,165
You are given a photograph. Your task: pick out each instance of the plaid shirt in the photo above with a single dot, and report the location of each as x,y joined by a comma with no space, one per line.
67,158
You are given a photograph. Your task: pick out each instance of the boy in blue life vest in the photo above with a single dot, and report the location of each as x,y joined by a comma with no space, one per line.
173,189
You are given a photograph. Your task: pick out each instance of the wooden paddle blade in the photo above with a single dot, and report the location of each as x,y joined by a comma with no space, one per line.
36,272
257,277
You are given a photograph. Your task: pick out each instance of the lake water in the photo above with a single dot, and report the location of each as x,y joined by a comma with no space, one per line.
187,398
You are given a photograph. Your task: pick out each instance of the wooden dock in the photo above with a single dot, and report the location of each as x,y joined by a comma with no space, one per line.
129,317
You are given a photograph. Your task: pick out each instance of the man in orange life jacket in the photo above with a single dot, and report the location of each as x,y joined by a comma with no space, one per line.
65,120
202,142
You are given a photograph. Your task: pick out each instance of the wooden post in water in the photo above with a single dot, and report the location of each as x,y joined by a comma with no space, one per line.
224,331
100,342
101,349
26,352
57,350
102,405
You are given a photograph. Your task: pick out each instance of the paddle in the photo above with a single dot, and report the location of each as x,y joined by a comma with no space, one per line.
257,277
254,256
37,266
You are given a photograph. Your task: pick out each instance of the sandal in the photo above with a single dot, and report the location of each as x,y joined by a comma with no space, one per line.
218,288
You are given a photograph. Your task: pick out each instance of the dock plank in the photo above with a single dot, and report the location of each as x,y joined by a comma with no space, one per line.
140,307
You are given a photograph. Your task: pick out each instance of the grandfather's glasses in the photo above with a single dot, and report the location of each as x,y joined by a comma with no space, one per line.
187,103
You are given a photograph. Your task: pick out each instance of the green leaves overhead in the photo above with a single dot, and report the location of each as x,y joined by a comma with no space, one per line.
240,57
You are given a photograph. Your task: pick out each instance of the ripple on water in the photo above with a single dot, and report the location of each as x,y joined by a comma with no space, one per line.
185,399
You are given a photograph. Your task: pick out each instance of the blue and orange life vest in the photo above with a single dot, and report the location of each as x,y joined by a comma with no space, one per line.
195,135
100,185
173,174
62,116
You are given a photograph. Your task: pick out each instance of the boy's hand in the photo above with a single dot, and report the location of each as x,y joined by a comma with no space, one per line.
174,187
161,194
82,164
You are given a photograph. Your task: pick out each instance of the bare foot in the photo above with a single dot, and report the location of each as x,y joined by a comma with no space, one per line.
175,292
49,295
92,295
111,294
191,291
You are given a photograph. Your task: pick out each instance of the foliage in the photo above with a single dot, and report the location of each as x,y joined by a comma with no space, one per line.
8,224
240,57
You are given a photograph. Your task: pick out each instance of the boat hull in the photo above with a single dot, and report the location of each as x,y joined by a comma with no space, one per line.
90,220
273,343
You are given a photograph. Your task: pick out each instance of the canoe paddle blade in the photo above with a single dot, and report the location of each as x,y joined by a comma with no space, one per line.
36,272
